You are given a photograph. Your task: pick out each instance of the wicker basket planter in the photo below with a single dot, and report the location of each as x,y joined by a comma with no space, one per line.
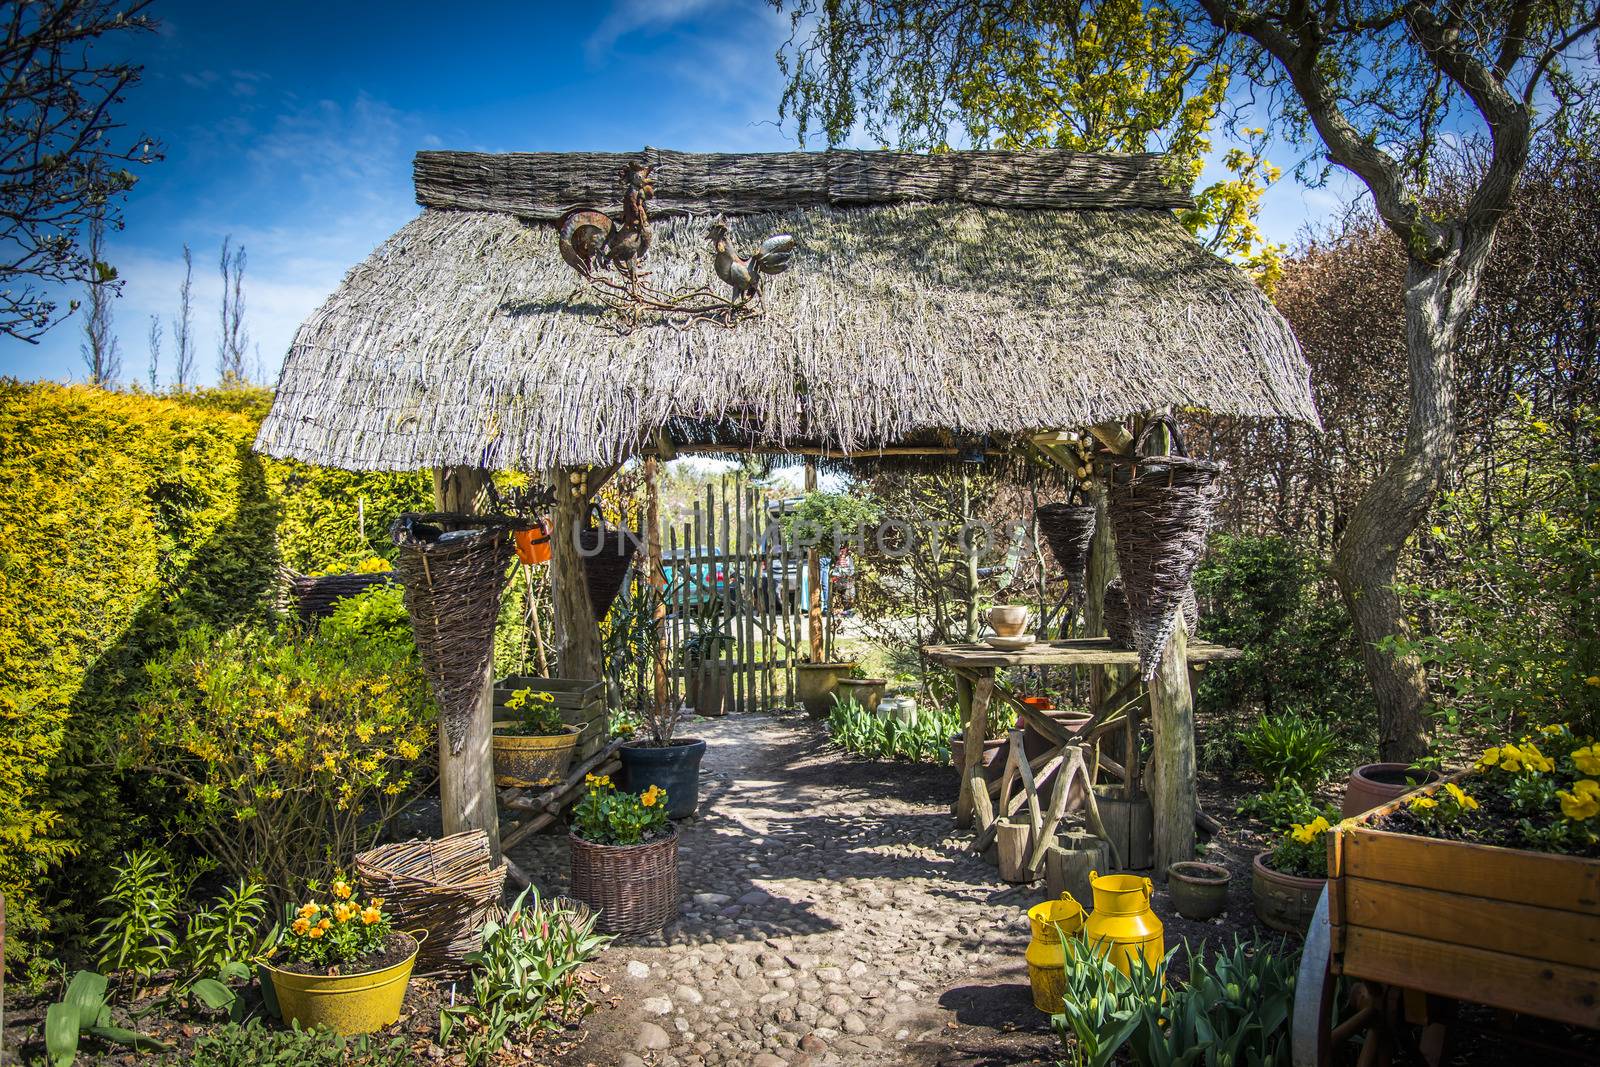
444,886
529,760
633,888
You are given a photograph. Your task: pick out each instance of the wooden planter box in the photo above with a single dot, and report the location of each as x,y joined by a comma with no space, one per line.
1508,928
582,703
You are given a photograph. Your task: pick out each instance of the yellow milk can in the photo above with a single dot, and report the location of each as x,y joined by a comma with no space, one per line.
1122,921
1051,921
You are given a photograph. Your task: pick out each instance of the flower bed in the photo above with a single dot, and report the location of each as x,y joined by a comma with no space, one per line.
1429,892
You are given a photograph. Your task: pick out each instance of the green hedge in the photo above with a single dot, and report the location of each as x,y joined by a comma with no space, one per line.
125,519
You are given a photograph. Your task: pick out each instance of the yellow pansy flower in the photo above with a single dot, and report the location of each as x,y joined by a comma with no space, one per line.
300,926
1489,759
308,911
1423,803
370,915
1587,758
341,889
1583,802
1459,795
317,931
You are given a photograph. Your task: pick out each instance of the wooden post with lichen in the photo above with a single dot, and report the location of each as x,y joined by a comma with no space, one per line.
466,778
577,634
814,579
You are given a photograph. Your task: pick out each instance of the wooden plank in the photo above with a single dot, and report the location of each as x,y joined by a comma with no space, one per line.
971,751
1499,925
1513,983
1565,883
1077,652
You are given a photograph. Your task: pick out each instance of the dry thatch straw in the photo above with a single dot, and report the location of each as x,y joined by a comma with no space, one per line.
965,295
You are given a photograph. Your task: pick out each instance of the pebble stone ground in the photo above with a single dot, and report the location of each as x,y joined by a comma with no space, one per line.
826,904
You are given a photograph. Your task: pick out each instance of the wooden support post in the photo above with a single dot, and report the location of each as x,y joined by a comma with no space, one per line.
577,634
973,805
814,580
658,582
466,778
1172,760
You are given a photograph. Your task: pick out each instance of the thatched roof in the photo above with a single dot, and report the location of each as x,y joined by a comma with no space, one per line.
932,297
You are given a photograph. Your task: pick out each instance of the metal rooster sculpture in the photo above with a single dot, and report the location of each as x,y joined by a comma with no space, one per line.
744,272
588,237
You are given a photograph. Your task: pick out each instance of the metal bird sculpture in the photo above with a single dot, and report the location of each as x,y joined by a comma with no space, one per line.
744,271
589,238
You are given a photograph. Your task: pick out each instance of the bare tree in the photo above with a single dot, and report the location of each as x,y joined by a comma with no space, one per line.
102,354
234,341
61,164
183,327
155,352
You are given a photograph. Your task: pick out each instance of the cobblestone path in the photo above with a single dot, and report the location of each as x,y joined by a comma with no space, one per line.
827,903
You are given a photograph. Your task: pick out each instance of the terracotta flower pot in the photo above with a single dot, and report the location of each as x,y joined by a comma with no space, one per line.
1378,783
1198,890
1007,620
1284,902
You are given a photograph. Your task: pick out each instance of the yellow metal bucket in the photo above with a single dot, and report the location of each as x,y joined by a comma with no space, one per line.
1122,923
1051,921
345,1003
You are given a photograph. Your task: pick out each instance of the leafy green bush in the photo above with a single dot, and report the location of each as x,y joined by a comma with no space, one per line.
140,932
1272,601
333,519
524,978
1282,807
254,1045
290,750
816,518
1290,748
1516,632
925,739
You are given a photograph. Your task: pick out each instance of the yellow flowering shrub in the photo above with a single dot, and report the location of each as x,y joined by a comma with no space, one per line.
293,750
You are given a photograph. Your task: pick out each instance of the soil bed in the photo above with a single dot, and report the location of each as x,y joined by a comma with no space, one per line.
395,948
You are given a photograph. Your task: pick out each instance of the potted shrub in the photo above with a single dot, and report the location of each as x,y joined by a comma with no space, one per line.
536,747
815,685
1286,882
659,759
338,964
624,857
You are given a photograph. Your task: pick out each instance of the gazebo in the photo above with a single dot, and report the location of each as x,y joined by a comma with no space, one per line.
935,304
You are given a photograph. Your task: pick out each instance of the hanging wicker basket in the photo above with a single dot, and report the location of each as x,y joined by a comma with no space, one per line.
633,887
453,568
1068,529
1160,509
607,554
1119,627
444,886
312,598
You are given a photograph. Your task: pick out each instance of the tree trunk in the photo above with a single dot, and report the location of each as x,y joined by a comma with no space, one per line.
1367,558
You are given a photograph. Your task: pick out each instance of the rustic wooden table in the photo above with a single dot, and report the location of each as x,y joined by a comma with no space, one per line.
975,665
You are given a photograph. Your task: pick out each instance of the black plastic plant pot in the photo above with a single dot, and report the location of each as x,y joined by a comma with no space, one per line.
674,767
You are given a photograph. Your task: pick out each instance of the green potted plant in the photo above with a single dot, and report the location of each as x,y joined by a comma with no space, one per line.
1286,882
338,964
536,747
624,857
660,758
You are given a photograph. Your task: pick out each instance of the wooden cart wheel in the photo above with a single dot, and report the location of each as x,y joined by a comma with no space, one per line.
1322,1025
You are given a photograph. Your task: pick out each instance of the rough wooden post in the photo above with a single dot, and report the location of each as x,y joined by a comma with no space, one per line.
466,778
658,582
577,634
814,579
974,796
1172,759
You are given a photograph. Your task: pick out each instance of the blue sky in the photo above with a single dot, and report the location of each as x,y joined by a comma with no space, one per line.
291,126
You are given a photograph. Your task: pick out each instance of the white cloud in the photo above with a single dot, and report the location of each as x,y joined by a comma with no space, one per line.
632,16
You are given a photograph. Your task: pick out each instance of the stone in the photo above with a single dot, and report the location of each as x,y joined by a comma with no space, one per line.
651,1038
755,896
813,1044
638,969
688,995
710,900
656,1006
628,1059
767,1059
854,1024
835,1004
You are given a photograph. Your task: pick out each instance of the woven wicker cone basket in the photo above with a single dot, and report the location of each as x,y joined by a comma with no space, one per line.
312,598
453,597
608,553
634,888
1115,614
1160,509
1068,529
444,886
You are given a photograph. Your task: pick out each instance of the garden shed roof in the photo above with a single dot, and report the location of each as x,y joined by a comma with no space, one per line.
932,297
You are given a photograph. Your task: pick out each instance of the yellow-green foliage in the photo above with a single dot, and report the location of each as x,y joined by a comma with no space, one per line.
334,519
125,519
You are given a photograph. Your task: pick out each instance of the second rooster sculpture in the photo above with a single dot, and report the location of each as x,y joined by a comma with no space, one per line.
744,271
